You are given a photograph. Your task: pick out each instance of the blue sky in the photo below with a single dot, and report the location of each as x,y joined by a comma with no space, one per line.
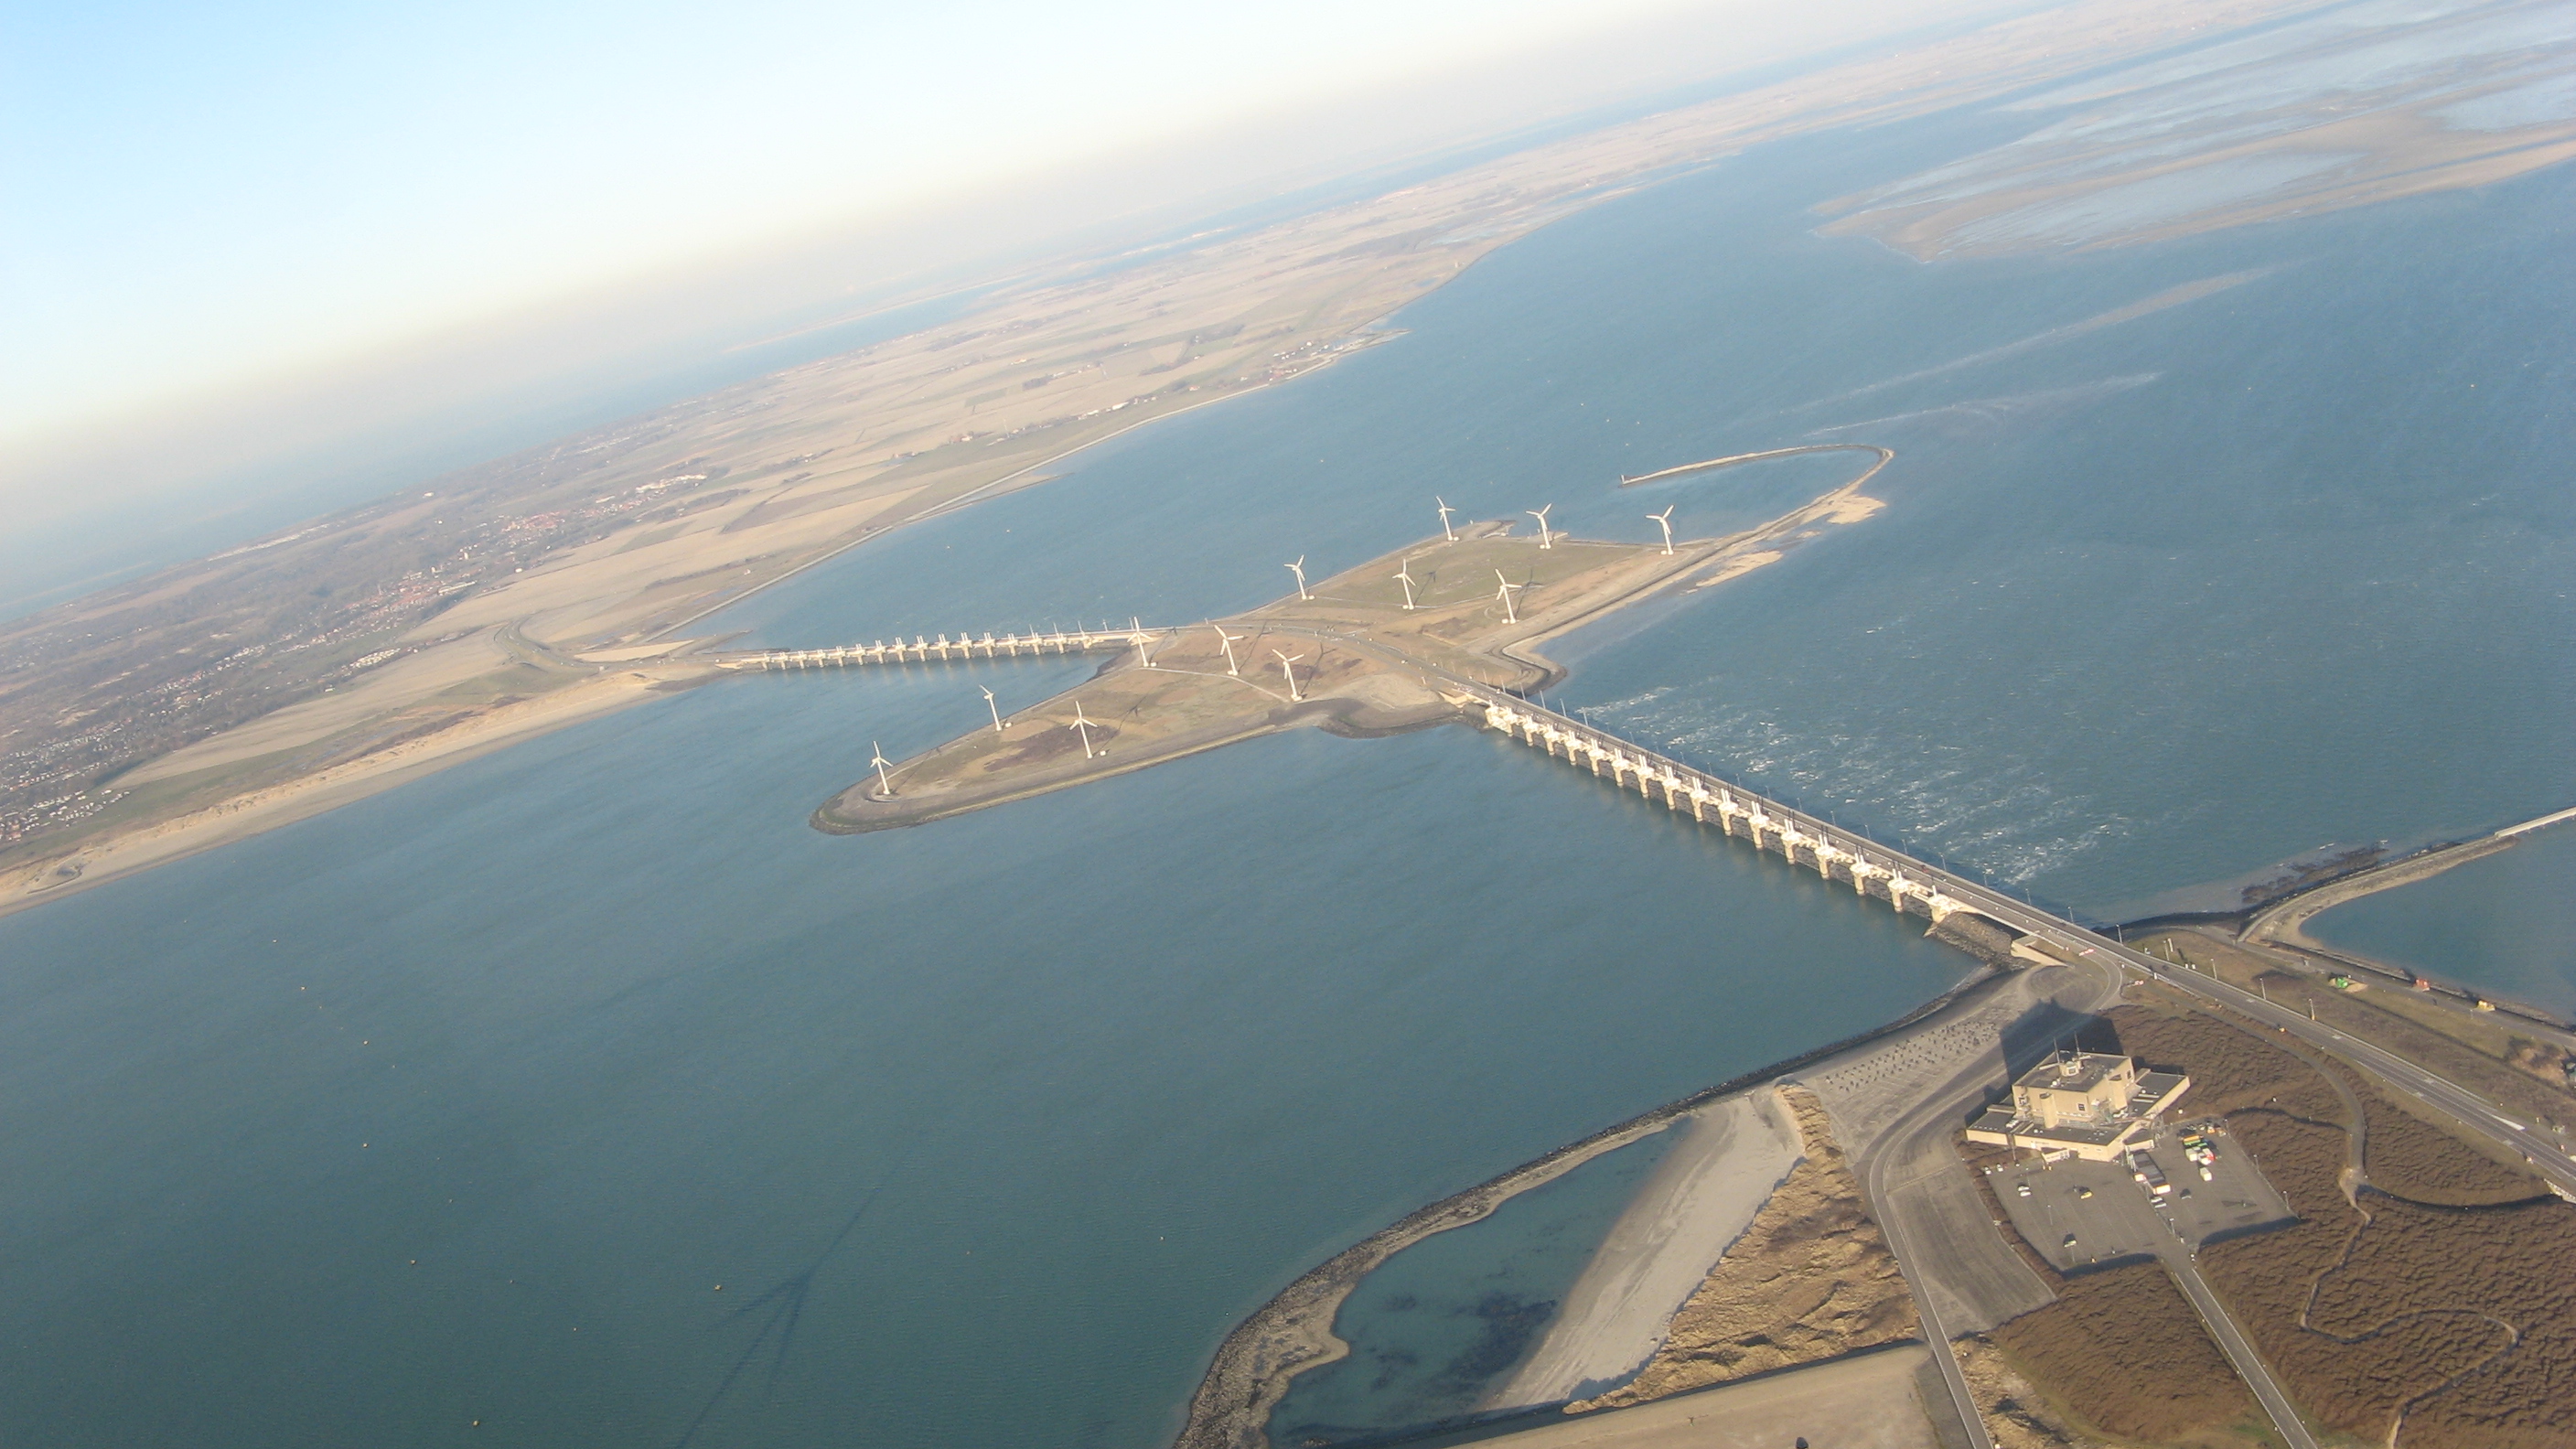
200,193
265,260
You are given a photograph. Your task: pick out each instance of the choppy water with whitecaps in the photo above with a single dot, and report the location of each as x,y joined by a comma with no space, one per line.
583,1095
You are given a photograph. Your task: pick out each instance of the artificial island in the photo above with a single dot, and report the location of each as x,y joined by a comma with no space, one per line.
2356,1238
1418,637
2179,1185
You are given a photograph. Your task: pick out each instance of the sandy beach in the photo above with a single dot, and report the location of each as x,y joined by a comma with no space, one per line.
1732,1156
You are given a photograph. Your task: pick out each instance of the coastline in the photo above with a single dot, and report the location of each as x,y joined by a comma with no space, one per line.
1710,465
1731,556
124,853
996,488
1252,1366
258,811
1341,715
1690,1212
2281,920
897,424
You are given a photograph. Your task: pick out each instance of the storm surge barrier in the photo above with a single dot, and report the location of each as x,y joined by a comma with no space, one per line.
920,649
1871,869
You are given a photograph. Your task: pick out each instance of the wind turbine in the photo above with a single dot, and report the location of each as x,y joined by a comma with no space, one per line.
1285,660
1084,726
1136,629
1505,594
1404,576
1445,510
995,708
1545,539
1225,641
876,757
1299,569
1666,519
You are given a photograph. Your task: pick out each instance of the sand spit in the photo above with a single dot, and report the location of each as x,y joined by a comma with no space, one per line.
1701,1198
1293,1332
1709,465
1811,1279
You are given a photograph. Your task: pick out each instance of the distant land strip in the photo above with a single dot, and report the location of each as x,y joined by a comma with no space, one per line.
1885,456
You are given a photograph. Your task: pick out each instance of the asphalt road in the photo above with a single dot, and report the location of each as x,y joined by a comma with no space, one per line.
2249,1365
2077,944
2471,1110
2544,1150
1933,1116
1911,1220
1930,1122
2548,1157
2121,1219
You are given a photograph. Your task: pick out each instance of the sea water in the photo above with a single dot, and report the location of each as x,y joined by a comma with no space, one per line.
585,1092
1447,1320
2506,922
2152,608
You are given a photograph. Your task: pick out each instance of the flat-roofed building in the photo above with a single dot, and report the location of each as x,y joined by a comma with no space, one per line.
2091,1104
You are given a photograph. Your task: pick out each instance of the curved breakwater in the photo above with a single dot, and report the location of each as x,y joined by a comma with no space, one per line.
1293,1332
1710,465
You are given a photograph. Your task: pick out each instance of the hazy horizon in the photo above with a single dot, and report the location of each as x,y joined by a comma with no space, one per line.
138,436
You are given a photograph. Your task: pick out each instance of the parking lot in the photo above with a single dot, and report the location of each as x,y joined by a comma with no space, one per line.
2081,1213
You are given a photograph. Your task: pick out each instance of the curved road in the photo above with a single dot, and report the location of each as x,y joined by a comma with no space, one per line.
1934,1115
2077,944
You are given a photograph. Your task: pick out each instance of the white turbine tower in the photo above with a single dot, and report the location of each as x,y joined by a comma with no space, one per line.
1225,641
1299,569
1505,594
1136,632
1084,726
1545,539
995,708
1666,519
1285,663
1404,576
876,757
1445,510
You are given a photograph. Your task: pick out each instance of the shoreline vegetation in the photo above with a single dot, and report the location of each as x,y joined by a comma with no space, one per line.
1810,1279
1810,1282
619,538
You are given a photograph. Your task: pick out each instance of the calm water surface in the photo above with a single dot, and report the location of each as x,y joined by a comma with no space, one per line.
1443,1323
459,1103
2506,922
